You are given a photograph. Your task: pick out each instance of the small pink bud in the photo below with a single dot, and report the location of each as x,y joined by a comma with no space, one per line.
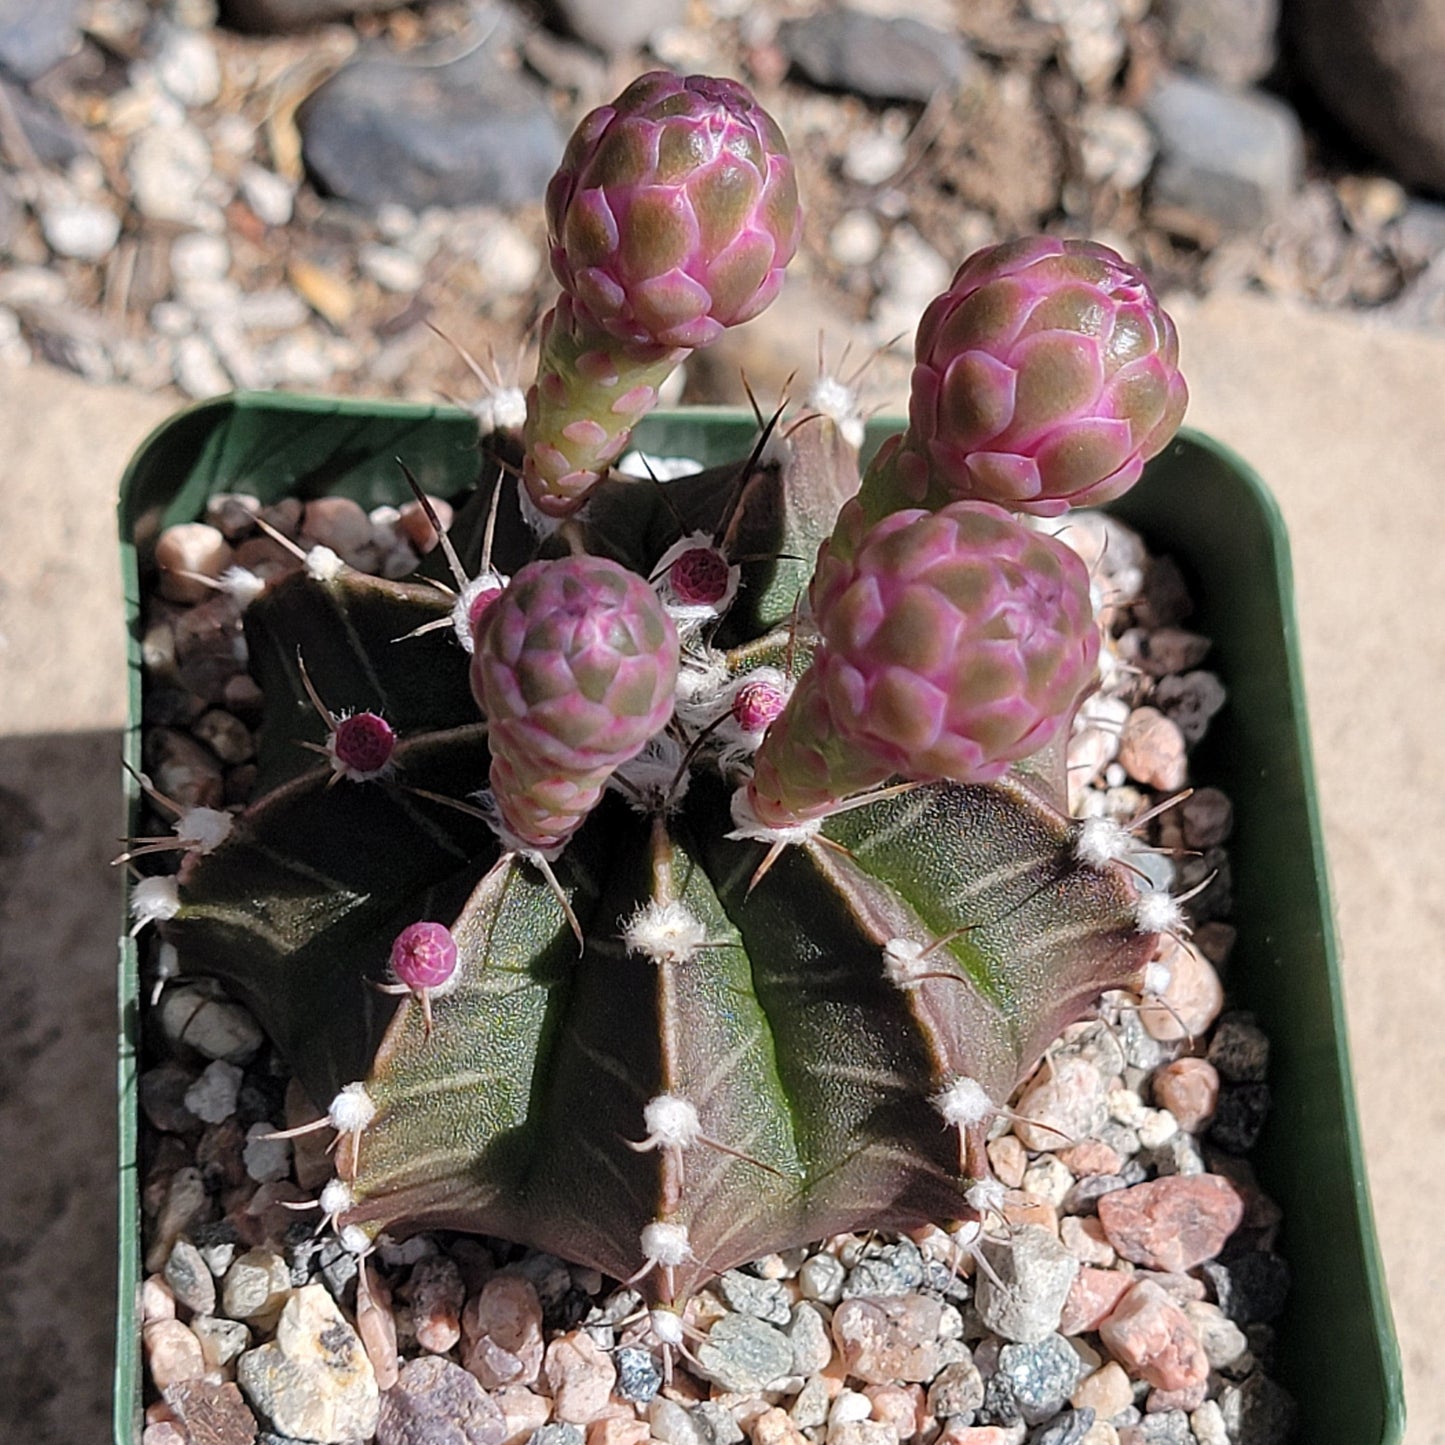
757,703
362,744
424,956
699,578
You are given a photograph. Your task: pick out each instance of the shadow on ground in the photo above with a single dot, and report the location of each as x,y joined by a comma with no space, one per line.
60,816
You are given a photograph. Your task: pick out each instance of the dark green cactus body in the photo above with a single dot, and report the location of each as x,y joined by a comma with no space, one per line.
811,1011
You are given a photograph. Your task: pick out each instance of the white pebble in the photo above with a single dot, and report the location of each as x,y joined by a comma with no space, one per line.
1126,1107
872,157
1157,1128
849,1406
856,240
197,256
212,1098
507,260
187,66
81,230
270,197
266,1160
391,268
198,372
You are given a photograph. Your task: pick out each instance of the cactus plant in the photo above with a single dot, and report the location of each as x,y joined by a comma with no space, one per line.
818,949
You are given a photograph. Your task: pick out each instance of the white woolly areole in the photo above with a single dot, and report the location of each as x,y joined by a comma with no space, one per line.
664,933
1157,978
153,900
839,403
352,1109
751,830
323,564
336,1197
541,524
777,450
986,1196
672,1122
903,962
355,1240
242,584
502,409
701,691
666,1326
644,465
462,609
203,830
1101,841
655,780
665,1244
1157,911
964,1102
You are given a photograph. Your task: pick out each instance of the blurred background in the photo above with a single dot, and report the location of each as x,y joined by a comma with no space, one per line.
302,194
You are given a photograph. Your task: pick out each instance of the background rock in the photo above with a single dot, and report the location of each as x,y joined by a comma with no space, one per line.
1231,41
1379,67
384,131
881,58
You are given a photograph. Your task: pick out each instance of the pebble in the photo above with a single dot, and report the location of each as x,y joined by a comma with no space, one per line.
81,230
558,1433
1009,1159
821,1278
1084,1238
1190,701
956,1391
1171,1427
1035,1273
856,239
189,1279
1092,1297
638,1378
222,1340
1207,1423
882,58
764,1299
436,1402
314,1380
774,1427
1116,146
862,1432
34,38
437,1294
1188,1089
197,256
503,1327
616,26
391,268
191,547
462,132
212,1412
198,371
173,1353
1062,1104
1222,1340
1257,1412
1240,1115
272,198
1151,1336
1232,157
226,736
579,1377
617,1430
889,1338
186,64
342,525
213,1096
1069,1428
524,1411
1173,1223
256,1287
1106,1391
169,167
1192,998
742,1353
890,1269
812,1343
1151,750
1239,1049
1231,41
1206,817
1041,1375
266,1159
1251,1287
673,1424
1048,1180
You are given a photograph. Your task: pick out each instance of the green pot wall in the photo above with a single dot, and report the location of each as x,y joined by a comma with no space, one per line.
1197,502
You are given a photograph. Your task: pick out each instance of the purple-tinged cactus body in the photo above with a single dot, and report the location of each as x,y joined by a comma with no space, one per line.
1045,377
672,217
574,670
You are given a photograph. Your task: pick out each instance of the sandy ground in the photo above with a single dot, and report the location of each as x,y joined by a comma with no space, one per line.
1344,420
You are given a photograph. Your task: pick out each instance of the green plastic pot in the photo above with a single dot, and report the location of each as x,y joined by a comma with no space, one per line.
1197,502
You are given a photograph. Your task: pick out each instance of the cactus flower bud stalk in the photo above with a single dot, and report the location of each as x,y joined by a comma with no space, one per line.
1044,378
671,218
574,667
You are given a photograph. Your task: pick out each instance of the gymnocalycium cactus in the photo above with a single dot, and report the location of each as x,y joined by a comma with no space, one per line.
806,823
